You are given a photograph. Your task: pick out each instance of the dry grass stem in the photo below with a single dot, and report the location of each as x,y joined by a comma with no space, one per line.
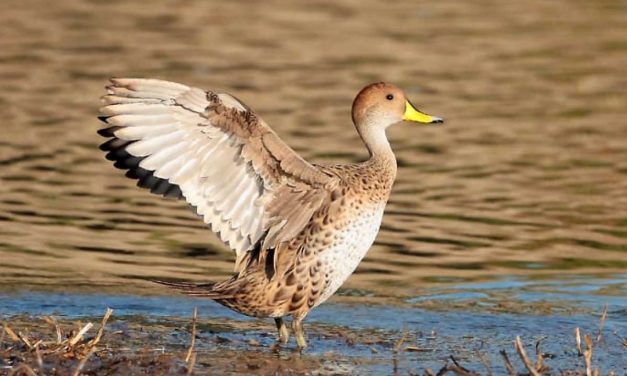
95,341
190,364
80,334
485,361
508,364
417,349
456,368
11,333
52,321
588,355
578,341
540,367
460,370
193,341
25,340
523,356
601,324
400,342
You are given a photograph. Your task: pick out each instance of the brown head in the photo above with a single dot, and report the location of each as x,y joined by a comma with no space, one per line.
381,105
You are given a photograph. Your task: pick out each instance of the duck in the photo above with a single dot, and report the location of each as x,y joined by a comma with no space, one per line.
298,229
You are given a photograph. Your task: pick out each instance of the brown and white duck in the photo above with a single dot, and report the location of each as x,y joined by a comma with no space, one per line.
298,229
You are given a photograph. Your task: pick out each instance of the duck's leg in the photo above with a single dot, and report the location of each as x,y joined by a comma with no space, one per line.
297,327
284,335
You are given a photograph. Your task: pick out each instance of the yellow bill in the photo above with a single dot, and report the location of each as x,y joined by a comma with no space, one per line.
412,114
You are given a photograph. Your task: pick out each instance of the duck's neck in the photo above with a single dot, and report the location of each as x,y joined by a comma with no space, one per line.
379,148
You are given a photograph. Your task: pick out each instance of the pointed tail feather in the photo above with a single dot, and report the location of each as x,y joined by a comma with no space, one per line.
194,289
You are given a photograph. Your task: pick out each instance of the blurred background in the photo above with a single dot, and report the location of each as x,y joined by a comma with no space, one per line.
527,180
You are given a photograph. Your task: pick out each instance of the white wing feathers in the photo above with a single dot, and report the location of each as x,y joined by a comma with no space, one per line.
209,148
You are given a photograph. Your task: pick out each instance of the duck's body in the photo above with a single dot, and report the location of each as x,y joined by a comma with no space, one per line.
298,230
307,270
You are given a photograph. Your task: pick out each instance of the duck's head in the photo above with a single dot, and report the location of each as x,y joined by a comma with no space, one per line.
381,105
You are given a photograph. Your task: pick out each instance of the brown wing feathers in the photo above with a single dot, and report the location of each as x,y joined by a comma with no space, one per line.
212,150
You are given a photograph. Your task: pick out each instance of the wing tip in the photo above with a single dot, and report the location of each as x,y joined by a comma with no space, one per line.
107,132
120,81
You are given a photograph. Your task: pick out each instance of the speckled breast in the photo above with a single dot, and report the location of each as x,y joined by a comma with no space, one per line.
349,247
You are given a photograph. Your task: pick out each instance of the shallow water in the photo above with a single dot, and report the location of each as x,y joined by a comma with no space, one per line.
526,181
460,320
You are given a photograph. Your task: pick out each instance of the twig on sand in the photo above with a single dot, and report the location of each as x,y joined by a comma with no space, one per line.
80,334
190,365
602,323
508,364
190,359
52,321
523,356
25,340
11,333
95,341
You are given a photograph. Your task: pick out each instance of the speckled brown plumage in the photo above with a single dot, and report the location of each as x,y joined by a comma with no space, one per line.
298,229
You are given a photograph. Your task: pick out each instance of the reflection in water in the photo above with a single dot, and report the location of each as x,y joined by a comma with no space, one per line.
527,177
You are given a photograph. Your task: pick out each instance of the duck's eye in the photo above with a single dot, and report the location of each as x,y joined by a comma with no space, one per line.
389,97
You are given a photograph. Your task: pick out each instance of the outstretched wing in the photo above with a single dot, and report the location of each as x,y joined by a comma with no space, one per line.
249,186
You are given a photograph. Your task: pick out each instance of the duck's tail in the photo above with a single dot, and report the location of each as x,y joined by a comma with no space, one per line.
203,290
